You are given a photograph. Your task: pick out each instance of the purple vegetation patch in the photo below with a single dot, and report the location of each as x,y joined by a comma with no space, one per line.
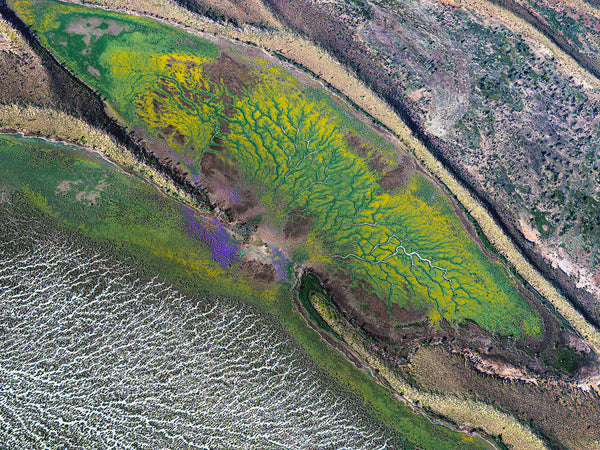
281,263
224,250
196,176
234,196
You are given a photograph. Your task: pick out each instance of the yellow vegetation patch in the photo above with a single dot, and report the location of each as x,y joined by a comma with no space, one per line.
409,248
37,200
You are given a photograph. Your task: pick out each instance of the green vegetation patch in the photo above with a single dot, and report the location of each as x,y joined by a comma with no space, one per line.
406,247
89,196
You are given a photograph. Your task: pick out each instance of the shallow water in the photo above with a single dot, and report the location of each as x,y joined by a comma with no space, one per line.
92,357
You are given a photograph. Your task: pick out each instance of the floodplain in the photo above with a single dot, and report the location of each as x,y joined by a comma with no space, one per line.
261,133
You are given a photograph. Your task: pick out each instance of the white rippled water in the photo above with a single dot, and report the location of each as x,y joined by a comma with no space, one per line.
92,358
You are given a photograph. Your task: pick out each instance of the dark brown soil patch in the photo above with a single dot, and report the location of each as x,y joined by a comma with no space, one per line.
376,163
356,144
403,315
217,145
259,272
179,139
211,163
298,225
394,179
226,187
248,200
235,75
374,160
168,130
357,302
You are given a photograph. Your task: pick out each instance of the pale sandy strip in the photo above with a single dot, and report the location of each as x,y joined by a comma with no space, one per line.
8,31
464,411
51,123
537,40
